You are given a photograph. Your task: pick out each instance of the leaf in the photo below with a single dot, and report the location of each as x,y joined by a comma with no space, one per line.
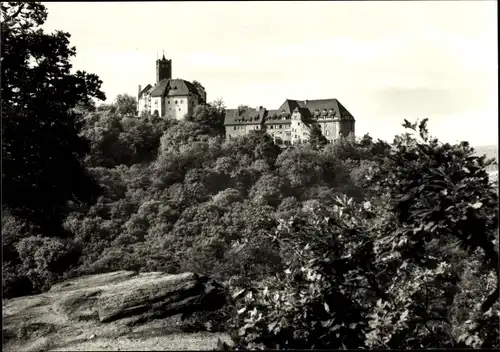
242,310
477,205
238,293
469,340
327,308
271,326
326,323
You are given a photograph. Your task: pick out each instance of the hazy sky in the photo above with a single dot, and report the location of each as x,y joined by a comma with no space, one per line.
385,61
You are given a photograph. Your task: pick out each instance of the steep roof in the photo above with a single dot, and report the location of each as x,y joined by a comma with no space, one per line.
244,116
147,89
288,106
160,88
308,108
344,113
173,87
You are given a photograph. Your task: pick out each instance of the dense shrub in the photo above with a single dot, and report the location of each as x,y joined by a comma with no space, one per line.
45,259
414,266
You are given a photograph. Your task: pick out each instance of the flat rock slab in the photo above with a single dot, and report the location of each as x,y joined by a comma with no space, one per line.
115,311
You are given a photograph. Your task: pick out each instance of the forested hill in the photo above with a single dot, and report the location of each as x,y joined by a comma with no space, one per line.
356,244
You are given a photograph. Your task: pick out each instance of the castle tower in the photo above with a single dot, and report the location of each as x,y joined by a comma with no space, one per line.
163,69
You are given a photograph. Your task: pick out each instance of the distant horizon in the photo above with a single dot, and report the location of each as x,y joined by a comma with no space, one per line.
384,61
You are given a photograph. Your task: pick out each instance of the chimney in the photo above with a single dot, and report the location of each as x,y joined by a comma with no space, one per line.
306,102
139,93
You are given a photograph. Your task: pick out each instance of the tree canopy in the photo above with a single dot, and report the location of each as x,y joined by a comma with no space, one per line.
42,151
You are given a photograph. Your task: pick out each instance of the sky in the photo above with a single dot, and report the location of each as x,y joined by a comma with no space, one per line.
384,60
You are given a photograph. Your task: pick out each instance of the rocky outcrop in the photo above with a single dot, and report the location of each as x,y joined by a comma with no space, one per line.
113,306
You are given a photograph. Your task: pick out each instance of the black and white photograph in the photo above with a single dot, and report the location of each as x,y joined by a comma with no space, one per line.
249,175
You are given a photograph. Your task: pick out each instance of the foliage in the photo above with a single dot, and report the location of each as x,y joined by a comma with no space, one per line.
117,140
393,272
209,115
123,105
39,94
316,138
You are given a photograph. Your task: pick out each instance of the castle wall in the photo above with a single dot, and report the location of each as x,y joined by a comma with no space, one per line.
178,107
242,130
281,132
156,105
297,128
329,129
144,104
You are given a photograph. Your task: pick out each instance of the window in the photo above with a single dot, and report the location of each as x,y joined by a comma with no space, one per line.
279,126
234,128
256,127
176,101
179,109
298,123
327,133
168,102
181,101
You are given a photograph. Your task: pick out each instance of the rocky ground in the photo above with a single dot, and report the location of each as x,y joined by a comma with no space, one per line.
111,312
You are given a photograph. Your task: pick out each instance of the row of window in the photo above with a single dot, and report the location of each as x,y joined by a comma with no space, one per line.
242,127
168,102
278,141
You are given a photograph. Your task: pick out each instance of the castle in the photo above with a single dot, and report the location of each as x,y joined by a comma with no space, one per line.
175,98
290,124
293,121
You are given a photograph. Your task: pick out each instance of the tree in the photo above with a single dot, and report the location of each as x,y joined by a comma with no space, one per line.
123,105
316,138
209,115
219,106
42,151
415,265
126,104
